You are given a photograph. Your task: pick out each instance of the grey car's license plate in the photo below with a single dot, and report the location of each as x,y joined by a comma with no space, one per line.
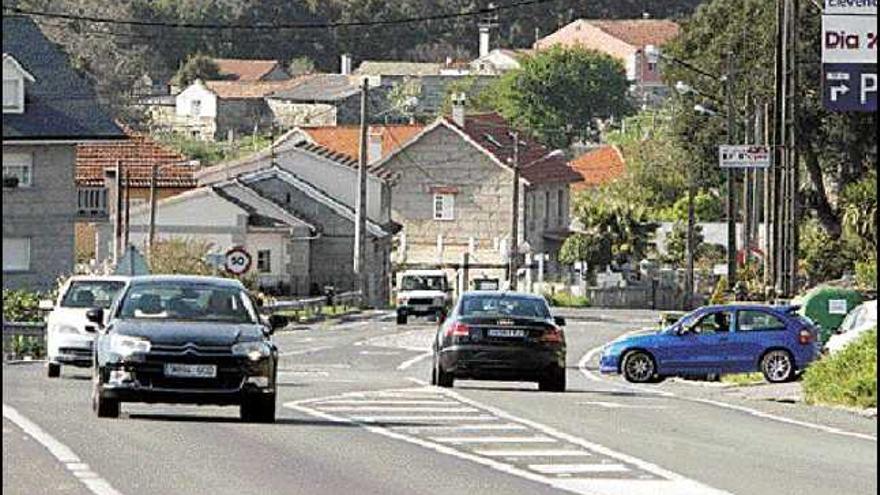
506,333
191,370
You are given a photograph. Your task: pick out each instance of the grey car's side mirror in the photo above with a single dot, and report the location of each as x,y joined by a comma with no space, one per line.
559,320
96,316
277,321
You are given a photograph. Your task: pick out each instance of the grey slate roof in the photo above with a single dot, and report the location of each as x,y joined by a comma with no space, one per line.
61,104
398,68
320,88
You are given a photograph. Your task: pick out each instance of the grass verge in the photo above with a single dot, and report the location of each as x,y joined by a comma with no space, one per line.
847,378
743,379
567,300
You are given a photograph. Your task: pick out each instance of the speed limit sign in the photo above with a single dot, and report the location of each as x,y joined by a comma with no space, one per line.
238,261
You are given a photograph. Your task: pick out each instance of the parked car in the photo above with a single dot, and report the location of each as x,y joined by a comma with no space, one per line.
500,336
184,339
69,335
858,321
422,293
774,340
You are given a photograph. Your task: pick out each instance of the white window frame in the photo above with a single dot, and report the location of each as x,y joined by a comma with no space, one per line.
20,160
444,207
18,106
27,249
268,261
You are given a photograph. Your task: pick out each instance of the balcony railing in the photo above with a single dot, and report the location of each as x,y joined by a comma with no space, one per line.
91,203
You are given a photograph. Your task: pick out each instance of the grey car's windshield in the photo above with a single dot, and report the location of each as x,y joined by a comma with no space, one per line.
504,306
91,294
191,302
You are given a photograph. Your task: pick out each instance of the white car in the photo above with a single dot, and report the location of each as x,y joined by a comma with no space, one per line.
858,321
422,293
69,336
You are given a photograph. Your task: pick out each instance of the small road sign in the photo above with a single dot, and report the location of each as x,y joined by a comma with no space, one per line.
747,156
238,261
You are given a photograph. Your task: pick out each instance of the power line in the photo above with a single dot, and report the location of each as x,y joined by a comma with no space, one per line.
272,27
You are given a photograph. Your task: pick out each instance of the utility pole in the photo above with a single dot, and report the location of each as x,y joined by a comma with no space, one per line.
794,153
151,235
690,243
117,212
514,227
731,174
747,194
127,186
361,204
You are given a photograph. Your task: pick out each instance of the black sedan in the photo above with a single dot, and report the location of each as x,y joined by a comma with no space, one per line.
501,336
186,340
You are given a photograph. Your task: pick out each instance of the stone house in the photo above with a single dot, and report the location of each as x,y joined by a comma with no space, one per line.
499,61
626,40
236,69
320,100
48,108
453,193
382,140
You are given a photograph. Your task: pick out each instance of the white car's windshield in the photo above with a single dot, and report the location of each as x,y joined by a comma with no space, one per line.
424,282
91,294
185,301
504,306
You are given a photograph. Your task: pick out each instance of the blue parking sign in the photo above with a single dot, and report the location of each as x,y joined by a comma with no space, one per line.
850,87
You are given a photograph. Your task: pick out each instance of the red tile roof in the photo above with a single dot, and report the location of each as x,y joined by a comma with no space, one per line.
641,32
492,132
346,139
137,155
245,70
250,89
598,167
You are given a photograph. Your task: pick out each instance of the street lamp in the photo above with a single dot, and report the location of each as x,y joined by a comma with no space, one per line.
513,255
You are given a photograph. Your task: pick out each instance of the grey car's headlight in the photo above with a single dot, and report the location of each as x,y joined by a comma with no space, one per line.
253,350
65,329
125,345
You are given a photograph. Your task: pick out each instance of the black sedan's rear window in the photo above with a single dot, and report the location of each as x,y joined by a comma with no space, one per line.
498,305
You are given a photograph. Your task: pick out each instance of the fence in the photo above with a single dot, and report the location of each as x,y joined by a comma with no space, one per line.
12,329
314,304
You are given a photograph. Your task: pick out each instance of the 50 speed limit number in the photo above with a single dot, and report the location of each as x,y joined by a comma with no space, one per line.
238,261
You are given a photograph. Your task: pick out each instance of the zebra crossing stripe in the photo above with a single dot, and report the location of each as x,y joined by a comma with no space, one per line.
577,468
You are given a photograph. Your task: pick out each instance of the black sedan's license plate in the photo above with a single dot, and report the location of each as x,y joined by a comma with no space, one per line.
506,333
191,370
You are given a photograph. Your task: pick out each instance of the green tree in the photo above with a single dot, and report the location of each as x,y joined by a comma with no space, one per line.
199,66
561,93
300,66
180,256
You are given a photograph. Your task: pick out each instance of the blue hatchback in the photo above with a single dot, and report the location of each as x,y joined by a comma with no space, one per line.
774,340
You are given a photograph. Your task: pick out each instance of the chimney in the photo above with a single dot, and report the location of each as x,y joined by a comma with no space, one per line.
345,64
458,109
374,146
484,40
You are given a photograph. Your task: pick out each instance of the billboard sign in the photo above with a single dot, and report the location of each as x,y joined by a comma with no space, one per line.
746,156
850,87
848,39
851,7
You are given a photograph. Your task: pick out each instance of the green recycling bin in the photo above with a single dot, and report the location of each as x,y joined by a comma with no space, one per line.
827,307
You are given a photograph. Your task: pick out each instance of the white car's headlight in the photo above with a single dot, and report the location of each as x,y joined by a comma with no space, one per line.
439,301
253,350
64,329
126,346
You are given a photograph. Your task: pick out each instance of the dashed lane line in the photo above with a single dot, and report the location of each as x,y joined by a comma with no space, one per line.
410,362
72,462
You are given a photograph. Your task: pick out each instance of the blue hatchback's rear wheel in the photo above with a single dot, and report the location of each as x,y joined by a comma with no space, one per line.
778,366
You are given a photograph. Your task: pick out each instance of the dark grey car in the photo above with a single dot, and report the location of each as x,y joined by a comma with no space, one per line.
189,340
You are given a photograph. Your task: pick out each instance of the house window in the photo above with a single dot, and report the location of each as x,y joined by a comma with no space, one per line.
13,95
546,209
18,166
444,207
264,261
530,211
195,108
560,207
16,254
652,67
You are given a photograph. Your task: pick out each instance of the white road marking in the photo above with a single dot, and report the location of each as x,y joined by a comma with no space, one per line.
582,366
409,362
380,353
533,453
391,402
578,468
616,405
63,453
399,409
478,427
390,419
306,351
463,440
417,381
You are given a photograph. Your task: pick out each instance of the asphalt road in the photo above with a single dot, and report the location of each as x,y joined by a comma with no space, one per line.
356,416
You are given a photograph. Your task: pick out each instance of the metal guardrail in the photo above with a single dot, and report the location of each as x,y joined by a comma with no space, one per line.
314,304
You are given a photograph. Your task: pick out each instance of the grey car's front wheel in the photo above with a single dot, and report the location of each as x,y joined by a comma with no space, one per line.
258,409
778,366
53,370
639,367
103,406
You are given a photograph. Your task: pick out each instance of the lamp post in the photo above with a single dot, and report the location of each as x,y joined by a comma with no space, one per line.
513,255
